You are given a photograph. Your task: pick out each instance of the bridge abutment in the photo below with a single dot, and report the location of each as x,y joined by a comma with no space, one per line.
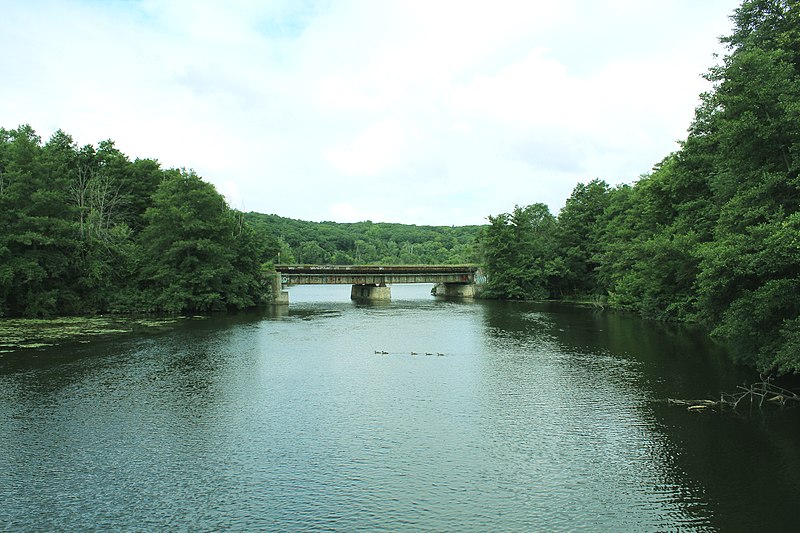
371,293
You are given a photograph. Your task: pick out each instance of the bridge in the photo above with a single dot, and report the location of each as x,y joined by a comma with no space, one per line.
370,282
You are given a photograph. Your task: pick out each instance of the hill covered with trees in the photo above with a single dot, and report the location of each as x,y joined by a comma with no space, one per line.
298,241
712,234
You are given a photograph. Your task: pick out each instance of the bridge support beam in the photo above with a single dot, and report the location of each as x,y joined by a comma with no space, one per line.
455,290
371,293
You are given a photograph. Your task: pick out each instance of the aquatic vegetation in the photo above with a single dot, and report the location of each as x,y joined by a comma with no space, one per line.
28,333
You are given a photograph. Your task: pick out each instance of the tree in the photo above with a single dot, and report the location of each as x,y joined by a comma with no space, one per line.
37,242
196,256
518,251
578,236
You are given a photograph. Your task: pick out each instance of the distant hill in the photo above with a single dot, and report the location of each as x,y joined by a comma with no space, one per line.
299,241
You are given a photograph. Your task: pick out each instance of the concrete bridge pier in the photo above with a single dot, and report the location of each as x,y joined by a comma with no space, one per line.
371,292
280,296
455,290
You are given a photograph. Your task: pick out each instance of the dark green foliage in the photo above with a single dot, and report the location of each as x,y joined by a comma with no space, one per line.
37,243
748,278
712,235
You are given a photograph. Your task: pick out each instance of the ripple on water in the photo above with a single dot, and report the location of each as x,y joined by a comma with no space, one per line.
293,423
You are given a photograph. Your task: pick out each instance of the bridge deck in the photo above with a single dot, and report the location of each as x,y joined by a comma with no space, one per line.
375,274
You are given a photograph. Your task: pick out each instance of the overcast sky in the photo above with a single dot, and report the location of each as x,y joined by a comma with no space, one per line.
420,112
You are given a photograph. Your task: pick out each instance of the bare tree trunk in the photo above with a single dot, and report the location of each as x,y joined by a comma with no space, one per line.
80,193
104,198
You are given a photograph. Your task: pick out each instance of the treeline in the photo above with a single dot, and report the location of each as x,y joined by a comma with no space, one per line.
86,230
298,241
712,235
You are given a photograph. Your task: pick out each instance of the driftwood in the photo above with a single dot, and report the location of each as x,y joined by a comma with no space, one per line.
756,393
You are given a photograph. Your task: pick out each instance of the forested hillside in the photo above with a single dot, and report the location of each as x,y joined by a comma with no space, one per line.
712,235
297,241
86,230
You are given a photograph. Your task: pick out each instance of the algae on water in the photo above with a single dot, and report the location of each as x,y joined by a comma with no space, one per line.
22,333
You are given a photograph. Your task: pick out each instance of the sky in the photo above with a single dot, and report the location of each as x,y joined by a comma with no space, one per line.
436,112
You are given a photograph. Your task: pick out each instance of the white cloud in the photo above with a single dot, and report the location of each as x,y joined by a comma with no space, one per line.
413,111
347,212
377,149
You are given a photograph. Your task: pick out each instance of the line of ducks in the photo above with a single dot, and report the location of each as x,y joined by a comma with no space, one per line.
438,354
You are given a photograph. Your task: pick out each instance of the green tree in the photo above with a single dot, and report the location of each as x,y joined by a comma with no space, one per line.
36,243
518,251
196,255
578,237
310,252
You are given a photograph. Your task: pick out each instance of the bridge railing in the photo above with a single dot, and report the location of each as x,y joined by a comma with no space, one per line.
375,269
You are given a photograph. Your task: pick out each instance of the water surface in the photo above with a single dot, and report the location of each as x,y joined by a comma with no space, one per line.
536,417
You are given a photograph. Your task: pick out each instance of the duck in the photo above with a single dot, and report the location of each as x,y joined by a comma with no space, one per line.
428,353
385,353
413,353
439,354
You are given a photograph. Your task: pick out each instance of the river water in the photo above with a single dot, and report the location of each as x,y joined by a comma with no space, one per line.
536,417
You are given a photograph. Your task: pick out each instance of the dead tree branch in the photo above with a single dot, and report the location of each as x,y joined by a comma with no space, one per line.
753,395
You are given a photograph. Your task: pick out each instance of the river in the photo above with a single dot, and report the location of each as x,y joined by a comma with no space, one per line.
536,417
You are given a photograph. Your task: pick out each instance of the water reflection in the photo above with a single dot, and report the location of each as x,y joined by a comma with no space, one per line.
538,417
706,459
587,409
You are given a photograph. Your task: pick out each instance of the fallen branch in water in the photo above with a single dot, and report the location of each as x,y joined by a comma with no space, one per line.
762,391
759,392
693,405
